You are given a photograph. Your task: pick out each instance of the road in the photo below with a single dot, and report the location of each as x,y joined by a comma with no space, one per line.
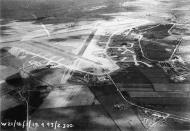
126,120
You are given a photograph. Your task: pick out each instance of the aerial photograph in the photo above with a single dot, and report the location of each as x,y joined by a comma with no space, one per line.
95,65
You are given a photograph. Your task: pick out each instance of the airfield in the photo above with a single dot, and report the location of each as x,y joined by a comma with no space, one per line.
123,65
